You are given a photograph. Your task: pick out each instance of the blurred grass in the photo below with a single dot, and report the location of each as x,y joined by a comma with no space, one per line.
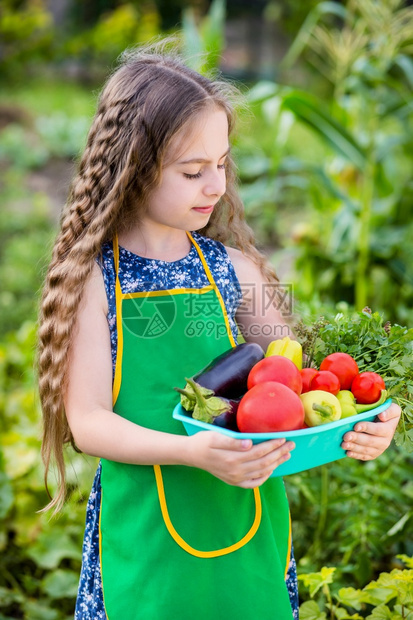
42,96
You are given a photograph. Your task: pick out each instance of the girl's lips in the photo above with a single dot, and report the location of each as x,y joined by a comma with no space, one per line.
204,209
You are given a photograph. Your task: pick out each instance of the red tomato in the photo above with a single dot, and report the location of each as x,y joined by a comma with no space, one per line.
326,381
342,365
276,368
367,387
306,375
269,407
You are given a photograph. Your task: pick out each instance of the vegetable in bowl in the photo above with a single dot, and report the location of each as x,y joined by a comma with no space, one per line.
377,346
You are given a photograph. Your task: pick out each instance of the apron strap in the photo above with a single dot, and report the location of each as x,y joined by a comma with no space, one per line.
119,349
215,287
184,545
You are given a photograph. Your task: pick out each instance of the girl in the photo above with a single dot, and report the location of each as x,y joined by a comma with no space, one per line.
177,526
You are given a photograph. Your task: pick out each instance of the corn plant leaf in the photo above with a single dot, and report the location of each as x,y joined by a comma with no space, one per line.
203,43
305,32
310,110
405,63
191,37
397,527
212,29
261,91
6,494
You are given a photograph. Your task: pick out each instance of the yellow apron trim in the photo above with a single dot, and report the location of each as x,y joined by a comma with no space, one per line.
289,549
217,291
180,541
119,349
169,291
100,551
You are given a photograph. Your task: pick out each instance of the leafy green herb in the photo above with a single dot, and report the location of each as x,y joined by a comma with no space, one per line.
375,345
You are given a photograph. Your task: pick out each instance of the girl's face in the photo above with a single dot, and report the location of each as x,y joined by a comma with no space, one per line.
193,178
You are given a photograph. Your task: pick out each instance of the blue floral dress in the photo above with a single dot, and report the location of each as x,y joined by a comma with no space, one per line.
143,274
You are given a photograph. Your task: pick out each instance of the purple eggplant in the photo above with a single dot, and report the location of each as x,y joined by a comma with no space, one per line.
228,419
227,374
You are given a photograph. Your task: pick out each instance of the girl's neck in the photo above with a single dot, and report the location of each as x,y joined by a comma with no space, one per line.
169,245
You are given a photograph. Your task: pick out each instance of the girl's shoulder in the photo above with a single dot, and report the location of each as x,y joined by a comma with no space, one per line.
244,266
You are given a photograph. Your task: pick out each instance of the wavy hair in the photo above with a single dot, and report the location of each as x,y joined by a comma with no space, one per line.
149,98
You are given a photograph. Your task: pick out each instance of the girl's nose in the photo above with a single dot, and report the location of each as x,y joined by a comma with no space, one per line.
216,183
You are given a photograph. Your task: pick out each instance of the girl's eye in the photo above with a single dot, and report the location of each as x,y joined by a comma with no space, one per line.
199,174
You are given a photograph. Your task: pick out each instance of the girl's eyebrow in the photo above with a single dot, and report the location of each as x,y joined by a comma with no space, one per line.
200,160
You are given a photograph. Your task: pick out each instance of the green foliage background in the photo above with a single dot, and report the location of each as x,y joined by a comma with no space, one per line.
325,166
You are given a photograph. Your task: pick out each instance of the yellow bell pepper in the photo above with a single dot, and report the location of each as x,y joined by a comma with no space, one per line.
320,407
287,348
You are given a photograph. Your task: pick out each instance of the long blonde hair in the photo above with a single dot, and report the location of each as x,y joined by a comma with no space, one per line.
147,100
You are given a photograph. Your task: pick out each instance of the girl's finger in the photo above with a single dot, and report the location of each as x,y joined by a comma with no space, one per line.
267,464
223,442
378,429
362,439
365,446
259,477
363,456
367,428
272,447
254,482
219,441
393,412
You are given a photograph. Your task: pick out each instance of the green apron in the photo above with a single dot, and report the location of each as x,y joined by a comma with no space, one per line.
176,542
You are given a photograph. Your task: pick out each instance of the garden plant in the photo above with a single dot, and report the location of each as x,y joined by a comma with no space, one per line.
324,159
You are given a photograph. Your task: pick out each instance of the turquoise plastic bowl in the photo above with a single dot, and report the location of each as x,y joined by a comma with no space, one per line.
313,446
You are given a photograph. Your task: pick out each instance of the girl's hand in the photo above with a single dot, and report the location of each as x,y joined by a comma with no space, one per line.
370,439
237,461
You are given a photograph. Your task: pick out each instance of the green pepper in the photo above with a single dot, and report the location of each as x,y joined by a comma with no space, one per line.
349,406
348,403
361,408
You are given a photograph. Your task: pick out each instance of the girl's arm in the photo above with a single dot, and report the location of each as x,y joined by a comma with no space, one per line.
98,431
260,321
265,306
